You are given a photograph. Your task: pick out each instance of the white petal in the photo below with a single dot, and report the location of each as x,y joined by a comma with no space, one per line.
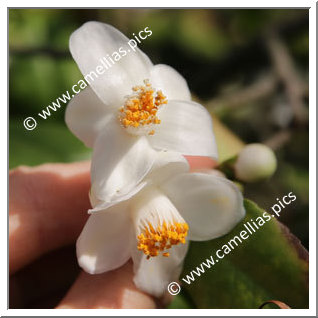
103,243
86,115
94,45
100,205
210,205
119,163
185,127
154,275
154,207
167,164
170,82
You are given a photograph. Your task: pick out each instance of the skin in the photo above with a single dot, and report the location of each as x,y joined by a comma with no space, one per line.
47,210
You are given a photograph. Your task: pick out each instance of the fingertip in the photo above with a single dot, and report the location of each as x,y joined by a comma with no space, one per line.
198,163
48,208
114,289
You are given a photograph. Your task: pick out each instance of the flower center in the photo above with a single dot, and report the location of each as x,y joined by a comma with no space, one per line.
139,113
152,240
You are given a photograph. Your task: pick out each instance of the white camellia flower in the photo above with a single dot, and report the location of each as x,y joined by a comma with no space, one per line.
140,121
153,226
131,112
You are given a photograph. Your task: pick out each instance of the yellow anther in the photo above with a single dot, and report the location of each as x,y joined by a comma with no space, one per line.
153,240
141,108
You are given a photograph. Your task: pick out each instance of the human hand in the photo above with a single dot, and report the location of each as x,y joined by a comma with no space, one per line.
47,210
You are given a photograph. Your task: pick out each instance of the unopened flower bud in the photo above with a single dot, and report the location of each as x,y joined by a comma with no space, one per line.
254,163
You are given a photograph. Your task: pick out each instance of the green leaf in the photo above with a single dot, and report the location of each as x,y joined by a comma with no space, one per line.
48,142
269,264
227,167
181,301
229,145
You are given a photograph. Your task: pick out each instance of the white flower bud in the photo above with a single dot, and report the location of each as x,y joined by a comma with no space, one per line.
255,162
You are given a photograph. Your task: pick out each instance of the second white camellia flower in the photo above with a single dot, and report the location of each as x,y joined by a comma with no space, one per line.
130,112
153,226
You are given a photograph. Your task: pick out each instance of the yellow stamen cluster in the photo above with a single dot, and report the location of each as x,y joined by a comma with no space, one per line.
154,240
141,108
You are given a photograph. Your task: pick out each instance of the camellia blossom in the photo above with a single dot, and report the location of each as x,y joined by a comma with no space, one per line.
154,226
140,121
130,112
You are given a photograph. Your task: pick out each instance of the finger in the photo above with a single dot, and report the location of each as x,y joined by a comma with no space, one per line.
198,163
48,206
39,197
113,289
44,282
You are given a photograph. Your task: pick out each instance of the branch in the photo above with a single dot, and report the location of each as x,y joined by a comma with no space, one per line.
278,140
295,87
39,51
265,86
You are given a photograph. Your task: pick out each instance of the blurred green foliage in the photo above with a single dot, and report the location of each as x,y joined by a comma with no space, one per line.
48,143
220,53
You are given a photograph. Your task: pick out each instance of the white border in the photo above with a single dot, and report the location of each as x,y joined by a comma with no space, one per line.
312,157
165,3
312,166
